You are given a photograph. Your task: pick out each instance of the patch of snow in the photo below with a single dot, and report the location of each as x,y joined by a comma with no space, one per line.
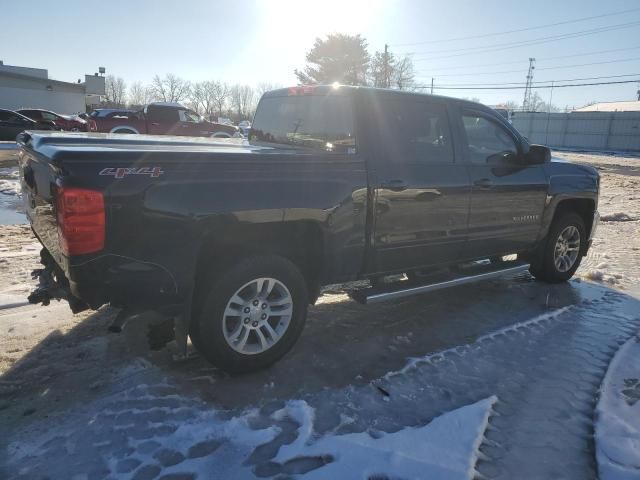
617,428
190,438
9,187
446,448
303,414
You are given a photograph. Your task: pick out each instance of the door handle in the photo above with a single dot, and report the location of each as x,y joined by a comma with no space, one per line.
483,183
155,124
395,185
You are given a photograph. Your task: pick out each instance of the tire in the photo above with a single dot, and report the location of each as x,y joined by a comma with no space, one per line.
125,131
218,333
561,242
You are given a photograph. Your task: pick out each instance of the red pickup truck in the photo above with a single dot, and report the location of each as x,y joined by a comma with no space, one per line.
162,118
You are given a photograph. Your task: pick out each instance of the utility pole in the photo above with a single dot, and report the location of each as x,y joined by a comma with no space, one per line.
432,86
386,66
526,103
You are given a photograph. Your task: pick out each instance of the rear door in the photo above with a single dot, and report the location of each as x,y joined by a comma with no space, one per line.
421,190
508,195
163,120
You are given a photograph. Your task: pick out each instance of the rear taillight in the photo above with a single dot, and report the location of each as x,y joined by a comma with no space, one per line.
81,224
93,126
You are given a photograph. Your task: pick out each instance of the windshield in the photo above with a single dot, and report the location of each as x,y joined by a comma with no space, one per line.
311,121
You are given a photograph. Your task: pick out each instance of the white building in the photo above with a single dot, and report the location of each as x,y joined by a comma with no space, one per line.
23,87
630,106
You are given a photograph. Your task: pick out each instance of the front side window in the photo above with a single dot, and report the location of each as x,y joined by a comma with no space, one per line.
486,138
319,122
187,116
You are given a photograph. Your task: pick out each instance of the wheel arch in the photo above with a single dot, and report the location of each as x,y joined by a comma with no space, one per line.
128,128
301,242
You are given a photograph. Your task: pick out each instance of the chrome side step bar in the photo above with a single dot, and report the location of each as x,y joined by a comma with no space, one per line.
373,297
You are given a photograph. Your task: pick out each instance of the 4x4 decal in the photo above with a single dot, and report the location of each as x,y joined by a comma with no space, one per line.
120,172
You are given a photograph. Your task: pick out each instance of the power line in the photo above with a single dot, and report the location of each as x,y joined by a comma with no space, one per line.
466,66
522,85
471,74
536,41
566,22
534,86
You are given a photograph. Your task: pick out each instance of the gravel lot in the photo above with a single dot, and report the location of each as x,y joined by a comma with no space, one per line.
113,407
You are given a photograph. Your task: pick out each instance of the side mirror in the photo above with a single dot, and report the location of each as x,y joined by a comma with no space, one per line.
538,154
502,159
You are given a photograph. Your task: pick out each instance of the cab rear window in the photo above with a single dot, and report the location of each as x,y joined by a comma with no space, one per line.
311,121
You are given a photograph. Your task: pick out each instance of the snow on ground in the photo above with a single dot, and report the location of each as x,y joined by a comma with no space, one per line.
617,429
615,256
150,429
446,448
9,181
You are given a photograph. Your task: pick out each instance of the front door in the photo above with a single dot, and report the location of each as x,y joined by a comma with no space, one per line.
422,193
508,195
191,124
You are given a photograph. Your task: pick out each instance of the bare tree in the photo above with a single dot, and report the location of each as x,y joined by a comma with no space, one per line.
115,90
537,104
265,87
403,75
242,100
139,94
219,94
386,71
204,97
171,88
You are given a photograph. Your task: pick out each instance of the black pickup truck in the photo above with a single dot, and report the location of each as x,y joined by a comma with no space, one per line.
236,238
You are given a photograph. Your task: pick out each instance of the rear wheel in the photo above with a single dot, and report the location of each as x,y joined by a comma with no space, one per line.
252,315
562,251
220,135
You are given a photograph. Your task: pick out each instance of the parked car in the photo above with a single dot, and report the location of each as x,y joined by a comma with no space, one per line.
12,123
69,123
161,119
245,127
335,184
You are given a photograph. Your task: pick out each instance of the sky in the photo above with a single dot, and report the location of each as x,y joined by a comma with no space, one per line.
253,42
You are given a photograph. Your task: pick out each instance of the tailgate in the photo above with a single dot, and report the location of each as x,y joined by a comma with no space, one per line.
38,177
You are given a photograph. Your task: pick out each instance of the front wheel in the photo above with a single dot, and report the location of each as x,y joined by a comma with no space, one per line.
252,315
562,251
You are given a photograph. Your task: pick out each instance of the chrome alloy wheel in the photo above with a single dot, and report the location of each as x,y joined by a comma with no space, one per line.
257,316
567,249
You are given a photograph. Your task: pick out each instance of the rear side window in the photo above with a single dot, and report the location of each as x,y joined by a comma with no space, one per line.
48,116
163,114
486,138
312,121
414,132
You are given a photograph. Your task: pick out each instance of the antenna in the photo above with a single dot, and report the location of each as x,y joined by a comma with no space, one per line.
526,103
